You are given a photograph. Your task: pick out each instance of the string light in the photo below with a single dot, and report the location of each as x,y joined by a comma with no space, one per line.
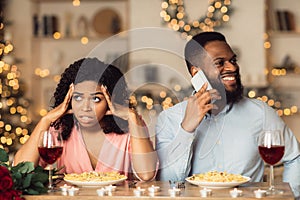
174,14
13,118
84,40
76,3
279,70
276,104
43,112
155,102
42,72
276,71
57,35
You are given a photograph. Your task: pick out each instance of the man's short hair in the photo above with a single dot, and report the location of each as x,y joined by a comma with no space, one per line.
194,51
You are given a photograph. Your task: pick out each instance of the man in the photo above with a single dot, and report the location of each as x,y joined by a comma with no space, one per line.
207,133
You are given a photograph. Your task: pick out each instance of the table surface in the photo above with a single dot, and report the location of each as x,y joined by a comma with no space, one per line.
124,192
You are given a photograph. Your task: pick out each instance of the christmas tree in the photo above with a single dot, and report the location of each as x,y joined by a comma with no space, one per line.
15,124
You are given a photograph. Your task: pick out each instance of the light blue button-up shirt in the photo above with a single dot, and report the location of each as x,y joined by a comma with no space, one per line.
225,142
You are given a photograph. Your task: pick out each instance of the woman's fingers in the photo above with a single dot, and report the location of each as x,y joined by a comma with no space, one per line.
68,96
108,100
62,108
114,109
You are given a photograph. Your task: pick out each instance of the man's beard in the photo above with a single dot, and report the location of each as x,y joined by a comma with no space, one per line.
227,97
236,95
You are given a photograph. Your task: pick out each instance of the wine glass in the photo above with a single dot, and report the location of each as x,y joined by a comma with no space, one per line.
50,148
271,150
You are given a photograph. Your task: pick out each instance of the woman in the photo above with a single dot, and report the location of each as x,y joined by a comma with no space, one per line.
101,130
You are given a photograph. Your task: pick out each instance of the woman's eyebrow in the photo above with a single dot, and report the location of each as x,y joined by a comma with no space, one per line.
92,94
101,93
78,93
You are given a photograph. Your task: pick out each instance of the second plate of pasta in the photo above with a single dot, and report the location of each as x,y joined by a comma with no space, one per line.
217,180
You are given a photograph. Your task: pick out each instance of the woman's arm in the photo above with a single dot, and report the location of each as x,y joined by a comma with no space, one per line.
29,151
144,158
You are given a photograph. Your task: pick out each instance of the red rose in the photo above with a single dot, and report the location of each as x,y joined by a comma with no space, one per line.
6,182
11,194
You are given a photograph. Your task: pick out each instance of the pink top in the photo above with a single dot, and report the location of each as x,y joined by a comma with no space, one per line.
114,155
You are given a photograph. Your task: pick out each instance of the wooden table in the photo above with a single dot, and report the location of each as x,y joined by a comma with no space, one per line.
123,192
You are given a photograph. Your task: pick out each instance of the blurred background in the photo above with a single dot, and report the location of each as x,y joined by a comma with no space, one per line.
40,38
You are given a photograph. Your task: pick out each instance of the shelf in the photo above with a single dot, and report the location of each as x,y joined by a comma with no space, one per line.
284,33
69,1
73,22
284,42
73,39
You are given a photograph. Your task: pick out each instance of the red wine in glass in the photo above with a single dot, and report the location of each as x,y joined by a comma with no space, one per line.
50,148
271,155
50,155
271,150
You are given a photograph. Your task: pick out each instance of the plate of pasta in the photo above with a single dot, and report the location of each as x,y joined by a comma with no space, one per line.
94,179
214,179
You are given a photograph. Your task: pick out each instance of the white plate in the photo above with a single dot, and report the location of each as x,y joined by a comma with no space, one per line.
95,183
218,185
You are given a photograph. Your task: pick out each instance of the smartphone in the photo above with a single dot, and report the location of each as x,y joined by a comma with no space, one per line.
199,79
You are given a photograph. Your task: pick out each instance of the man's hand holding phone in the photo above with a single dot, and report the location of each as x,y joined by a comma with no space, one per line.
200,103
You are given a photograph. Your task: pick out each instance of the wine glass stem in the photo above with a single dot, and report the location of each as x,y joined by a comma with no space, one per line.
50,186
271,188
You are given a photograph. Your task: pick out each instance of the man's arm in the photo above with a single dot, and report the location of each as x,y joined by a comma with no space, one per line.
174,147
175,133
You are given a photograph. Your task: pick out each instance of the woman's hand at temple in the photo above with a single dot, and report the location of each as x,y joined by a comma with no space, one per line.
121,111
61,109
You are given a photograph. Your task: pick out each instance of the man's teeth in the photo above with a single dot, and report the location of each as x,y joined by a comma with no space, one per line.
229,78
85,117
